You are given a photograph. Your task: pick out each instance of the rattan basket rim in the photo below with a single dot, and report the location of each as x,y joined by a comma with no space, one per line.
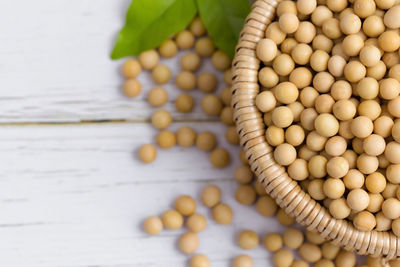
277,183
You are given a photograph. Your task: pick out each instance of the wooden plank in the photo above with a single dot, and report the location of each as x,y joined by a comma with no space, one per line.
74,195
55,64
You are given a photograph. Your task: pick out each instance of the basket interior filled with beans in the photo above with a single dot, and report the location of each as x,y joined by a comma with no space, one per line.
316,101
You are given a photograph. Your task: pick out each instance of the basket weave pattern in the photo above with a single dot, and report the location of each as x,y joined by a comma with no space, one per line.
278,184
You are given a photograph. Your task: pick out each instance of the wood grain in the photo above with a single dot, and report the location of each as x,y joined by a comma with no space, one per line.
55,64
75,194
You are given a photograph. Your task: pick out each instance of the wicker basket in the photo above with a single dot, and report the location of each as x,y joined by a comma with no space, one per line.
278,184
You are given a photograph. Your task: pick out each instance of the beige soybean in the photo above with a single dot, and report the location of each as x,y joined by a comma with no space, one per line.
245,195
341,90
362,126
131,68
266,50
310,252
207,82
389,41
273,242
166,139
326,125
161,119
268,77
392,152
331,28
161,74
149,59
248,239
186,80
266,205
374,145
282,116
370,109
335,146
350,24
391,208
219,157
168,48
196,223
370,55
336,65
243,261
186,205
184,103
266,101
345,258
375,202
294,135
206,141
301,77
211,105
172,220
157,96
315,189
339,208
333,188
147,153
288,23
389,88
220,60
211,195
185,137
184,39
283,64
324,103
204,46
284,218
188,243
329,250
243,174
153,225
199,260
320,14
394,107
132,88
293,238
197,27
319,60
298,169
274,33
283,258
301,54
354,71
222,214
358,199
190,62
286,92
287,45
317,166
308,97
284,154
306,7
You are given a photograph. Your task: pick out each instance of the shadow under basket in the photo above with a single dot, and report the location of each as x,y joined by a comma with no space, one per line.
286,191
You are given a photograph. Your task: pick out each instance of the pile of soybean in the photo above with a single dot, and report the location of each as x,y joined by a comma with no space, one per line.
294,247
330,98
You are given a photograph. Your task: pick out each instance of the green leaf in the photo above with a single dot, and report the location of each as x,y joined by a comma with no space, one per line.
224,19
149,22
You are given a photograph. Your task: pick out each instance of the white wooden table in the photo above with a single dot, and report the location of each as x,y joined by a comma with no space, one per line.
72,192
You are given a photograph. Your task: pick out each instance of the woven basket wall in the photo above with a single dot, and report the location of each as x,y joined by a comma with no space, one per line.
278,184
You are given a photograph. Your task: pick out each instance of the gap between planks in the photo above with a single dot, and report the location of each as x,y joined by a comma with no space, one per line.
96,122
